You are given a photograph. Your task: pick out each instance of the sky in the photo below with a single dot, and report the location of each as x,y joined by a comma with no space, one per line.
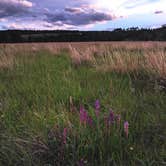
81,14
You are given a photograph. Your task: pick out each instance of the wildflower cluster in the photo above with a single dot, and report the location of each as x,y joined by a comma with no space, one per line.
84,117
109,119
89,128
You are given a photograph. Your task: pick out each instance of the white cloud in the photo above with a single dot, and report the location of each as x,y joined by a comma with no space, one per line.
19,3
3,19
130,7
75,14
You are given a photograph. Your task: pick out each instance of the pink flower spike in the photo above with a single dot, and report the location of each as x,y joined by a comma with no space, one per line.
90,121
111,116
97,107
81,162
64,135
83,115
97,104
126,128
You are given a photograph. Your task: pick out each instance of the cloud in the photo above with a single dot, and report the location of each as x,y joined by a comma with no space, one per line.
35,25
17,3
73,10
76,14
13,26
128,7
3,19
14,7
77,17
158,12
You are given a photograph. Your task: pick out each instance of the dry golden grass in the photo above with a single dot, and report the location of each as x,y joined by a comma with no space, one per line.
156,62
6,56
105,56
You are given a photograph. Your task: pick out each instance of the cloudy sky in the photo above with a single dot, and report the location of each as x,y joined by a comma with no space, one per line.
81,14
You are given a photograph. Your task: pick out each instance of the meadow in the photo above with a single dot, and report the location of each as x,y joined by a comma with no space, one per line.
83,104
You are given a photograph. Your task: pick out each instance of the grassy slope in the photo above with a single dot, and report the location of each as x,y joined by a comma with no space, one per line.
34,97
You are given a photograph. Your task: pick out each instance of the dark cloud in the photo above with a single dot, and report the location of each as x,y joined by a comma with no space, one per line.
13,7
73,10
82,18
158,12
76,14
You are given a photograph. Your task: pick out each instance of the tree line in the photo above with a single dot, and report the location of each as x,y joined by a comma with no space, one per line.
131,34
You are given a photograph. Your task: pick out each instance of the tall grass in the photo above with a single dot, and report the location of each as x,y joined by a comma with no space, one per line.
48,113
118,56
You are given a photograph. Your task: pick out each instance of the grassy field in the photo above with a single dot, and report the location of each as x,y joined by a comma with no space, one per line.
82,104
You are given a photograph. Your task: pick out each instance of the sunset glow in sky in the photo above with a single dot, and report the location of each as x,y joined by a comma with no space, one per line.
81,14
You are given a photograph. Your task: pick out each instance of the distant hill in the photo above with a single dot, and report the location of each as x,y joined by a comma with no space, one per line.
131,34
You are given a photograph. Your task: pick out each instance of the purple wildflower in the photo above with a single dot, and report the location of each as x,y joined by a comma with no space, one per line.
126,128
111,117
64,135
83,115
90,121
97,107
81,162
97,104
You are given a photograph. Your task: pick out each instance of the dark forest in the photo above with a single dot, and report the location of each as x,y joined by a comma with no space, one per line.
131,34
